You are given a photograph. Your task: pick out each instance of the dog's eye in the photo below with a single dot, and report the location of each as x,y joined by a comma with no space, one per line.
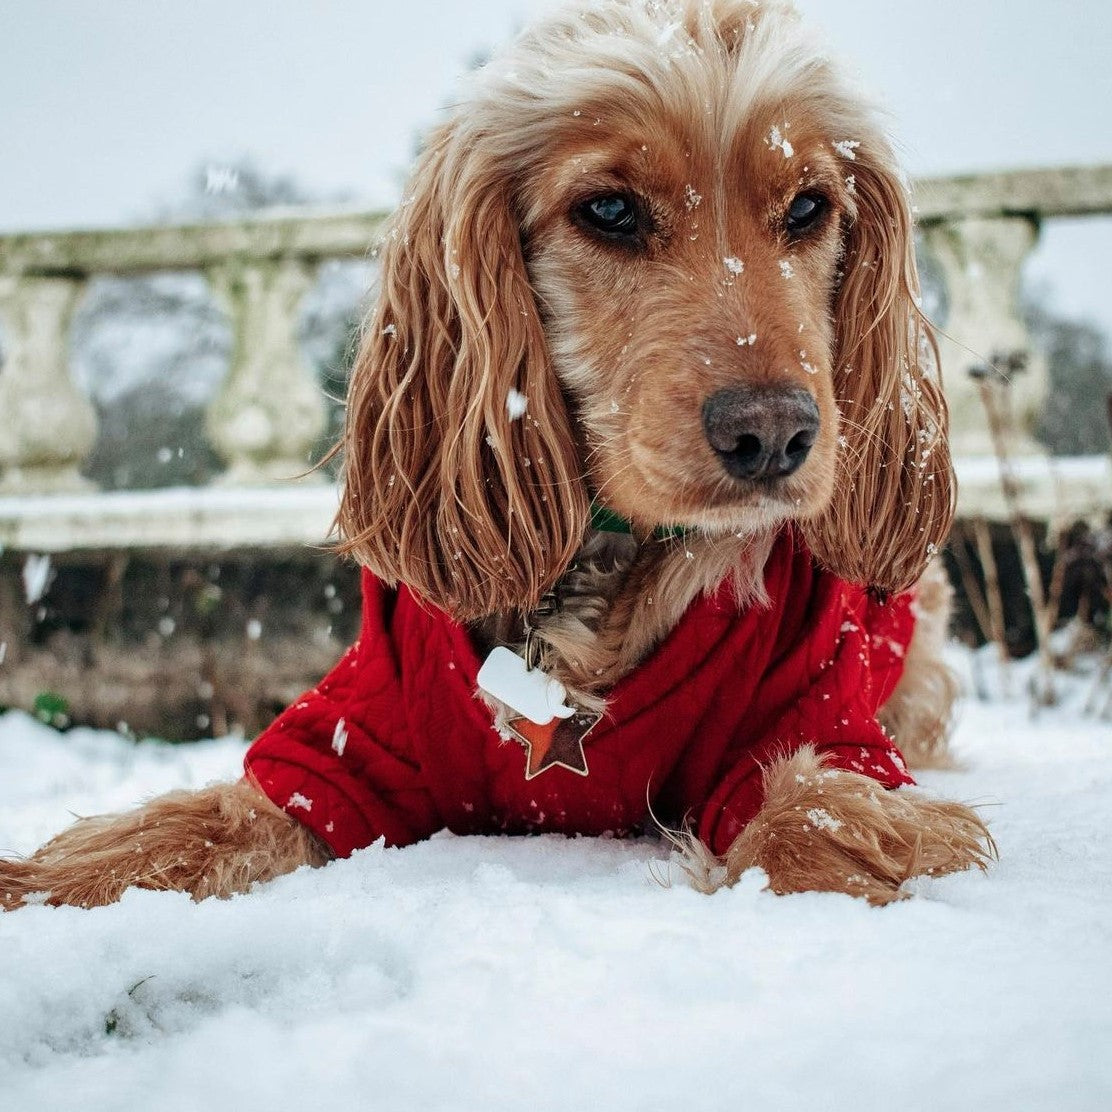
613,214
805,213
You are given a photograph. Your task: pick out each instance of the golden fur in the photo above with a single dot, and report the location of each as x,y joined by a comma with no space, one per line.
489,286
715,115
919,713
213,842
829,830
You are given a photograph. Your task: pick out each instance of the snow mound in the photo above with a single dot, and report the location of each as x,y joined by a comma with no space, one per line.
544,973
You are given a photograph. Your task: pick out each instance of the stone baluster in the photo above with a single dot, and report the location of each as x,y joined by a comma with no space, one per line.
982,260
47,426
270,410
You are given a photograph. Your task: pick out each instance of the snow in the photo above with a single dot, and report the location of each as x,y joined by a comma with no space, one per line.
544,973
36,577
776,141
339,738
824,820
847,148
516,404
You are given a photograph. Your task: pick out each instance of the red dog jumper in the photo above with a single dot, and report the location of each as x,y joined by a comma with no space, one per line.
394,744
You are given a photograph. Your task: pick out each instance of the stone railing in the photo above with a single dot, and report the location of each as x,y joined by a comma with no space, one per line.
980,229
270,410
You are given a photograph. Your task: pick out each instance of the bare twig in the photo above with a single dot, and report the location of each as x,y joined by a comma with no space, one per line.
974,594
1104,673
995,599
1021,527
1057,579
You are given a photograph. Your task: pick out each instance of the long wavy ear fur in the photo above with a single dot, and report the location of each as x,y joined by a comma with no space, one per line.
894,496
447,488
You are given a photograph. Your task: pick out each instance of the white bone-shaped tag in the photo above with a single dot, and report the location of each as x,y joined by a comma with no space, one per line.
531,693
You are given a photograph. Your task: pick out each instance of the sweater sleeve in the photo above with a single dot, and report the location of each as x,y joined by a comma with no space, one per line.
338,759
826,694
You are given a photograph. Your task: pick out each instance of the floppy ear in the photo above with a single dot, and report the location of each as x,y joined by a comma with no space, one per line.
448,486
894,489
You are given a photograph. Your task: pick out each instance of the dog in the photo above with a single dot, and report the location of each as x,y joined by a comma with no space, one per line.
646,463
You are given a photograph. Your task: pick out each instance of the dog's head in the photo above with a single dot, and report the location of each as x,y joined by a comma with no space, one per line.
661,256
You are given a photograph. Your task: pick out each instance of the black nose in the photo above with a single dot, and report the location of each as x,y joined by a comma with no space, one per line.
761,432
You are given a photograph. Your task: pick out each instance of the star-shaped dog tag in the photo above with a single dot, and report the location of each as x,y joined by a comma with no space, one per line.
559,742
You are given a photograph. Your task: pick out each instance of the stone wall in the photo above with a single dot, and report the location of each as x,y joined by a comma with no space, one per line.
171,646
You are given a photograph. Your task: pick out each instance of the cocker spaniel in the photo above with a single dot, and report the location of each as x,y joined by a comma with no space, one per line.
646,460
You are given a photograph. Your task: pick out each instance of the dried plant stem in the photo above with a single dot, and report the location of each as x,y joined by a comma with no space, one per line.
973,592
1021,529
1057,581
1103,683
987,557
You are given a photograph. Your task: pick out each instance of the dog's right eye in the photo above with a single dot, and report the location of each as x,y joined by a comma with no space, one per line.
614,214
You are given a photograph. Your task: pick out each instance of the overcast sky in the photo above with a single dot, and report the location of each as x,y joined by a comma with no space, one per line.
106,106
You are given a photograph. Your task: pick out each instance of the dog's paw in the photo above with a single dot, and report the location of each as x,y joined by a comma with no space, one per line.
17,883
213,842
48,878
828,830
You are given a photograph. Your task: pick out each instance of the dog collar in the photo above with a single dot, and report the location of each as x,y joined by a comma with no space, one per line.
518,682
607,521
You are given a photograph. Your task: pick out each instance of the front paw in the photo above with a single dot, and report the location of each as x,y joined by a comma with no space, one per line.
20,884
828,830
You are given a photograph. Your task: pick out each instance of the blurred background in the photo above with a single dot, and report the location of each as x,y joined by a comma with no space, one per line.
211,177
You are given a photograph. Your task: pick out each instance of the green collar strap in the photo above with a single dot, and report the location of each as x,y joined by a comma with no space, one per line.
607,521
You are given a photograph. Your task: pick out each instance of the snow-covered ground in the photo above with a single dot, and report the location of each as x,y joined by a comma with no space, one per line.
489,973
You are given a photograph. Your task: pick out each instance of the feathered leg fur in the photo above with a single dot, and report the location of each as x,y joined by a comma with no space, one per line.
213,842
827,830
919,713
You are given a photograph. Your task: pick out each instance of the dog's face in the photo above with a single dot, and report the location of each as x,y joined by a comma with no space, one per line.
686,276
672,229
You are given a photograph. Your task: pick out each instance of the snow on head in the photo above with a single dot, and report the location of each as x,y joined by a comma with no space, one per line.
667,33
516,404
733,264
776,141
846,148
786,269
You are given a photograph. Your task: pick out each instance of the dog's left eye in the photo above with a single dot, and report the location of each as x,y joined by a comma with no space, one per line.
613,214
805,213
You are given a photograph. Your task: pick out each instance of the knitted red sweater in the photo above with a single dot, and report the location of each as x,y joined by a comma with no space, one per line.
394,744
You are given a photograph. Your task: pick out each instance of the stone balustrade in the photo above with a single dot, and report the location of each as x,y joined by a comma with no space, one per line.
980,229
269,410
